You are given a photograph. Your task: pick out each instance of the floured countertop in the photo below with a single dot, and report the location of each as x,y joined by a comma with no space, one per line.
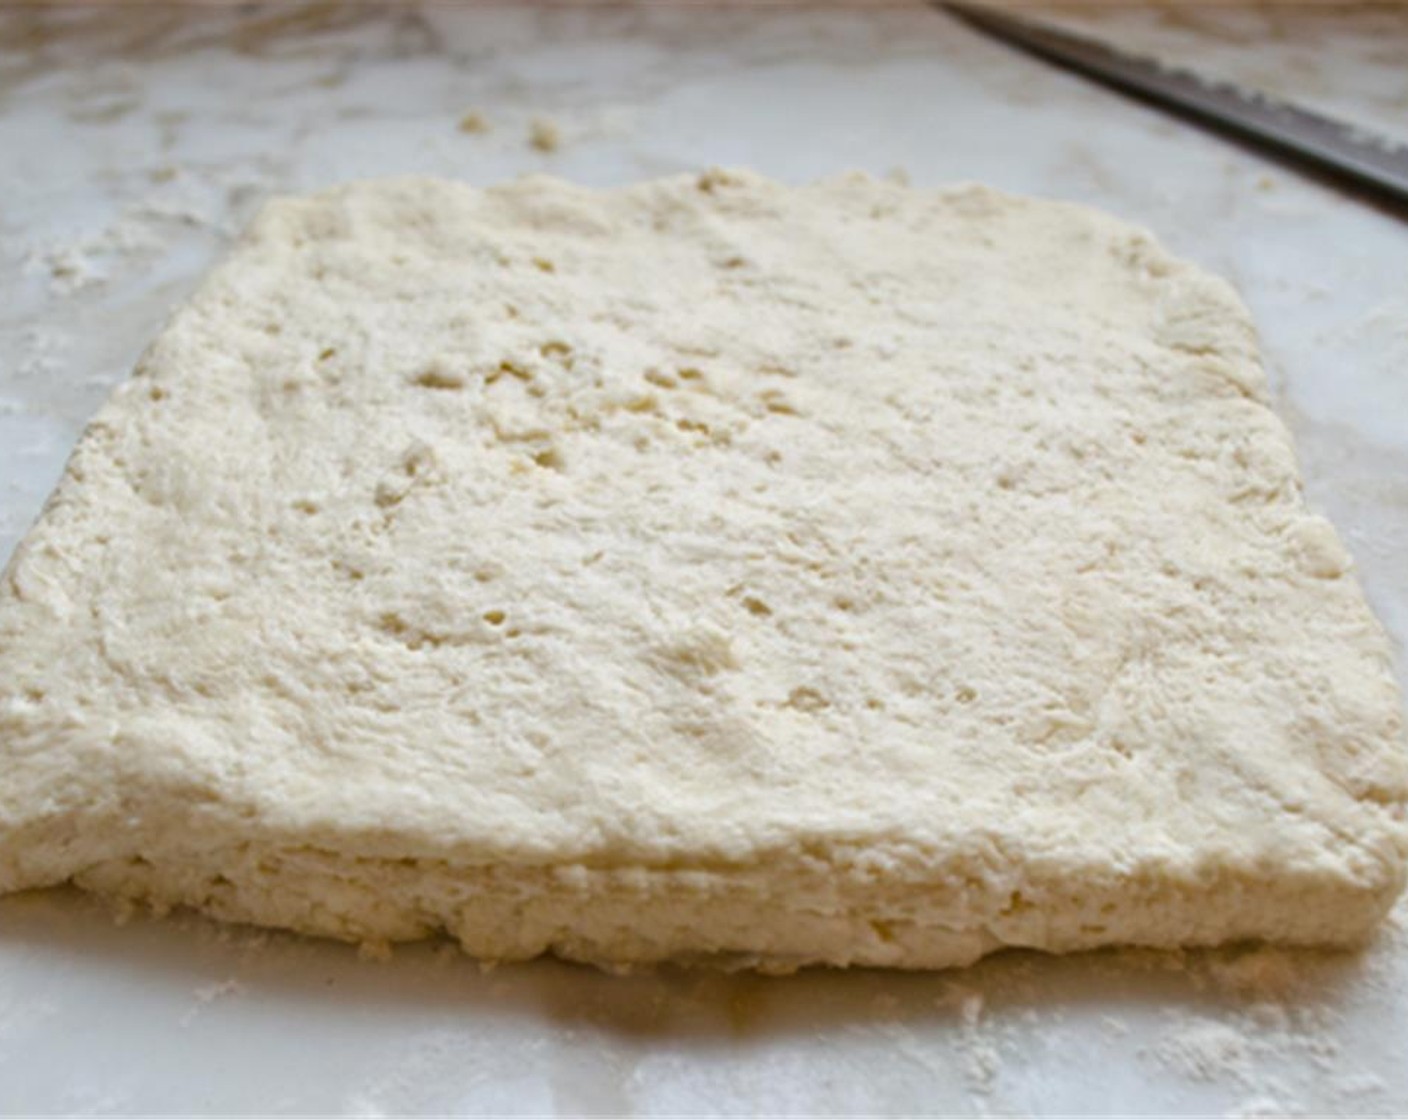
148,136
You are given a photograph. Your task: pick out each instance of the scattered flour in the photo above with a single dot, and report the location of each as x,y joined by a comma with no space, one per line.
39,349
86,262
19,1018
414,1074
1262,1025
214,200
978,1040
1206,1050
1278,1053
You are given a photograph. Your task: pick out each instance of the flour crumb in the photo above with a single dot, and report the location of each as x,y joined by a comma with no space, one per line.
971,1009
103,380
86,262
208,994
544,135
475,123
1258,1106
980,1056
1270,1017
612,121
39,352
68,268
1359,1085
358,1105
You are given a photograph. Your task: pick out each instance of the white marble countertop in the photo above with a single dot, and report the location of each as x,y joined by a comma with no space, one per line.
138,139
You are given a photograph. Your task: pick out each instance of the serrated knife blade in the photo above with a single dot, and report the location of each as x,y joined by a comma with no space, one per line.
1368,158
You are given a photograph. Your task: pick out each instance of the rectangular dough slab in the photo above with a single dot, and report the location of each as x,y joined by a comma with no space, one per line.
706,569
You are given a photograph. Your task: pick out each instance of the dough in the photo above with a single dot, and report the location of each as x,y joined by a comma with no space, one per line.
706,570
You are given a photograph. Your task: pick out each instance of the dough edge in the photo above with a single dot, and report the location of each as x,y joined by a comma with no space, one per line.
771,919
642,914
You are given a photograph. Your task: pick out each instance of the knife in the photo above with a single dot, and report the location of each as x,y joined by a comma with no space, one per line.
1368,158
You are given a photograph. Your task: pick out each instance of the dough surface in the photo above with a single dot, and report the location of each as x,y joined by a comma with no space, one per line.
706,569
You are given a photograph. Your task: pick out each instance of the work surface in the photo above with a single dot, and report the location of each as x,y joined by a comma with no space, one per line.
141,140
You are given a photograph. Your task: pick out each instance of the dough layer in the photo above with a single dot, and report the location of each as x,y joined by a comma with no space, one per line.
708,570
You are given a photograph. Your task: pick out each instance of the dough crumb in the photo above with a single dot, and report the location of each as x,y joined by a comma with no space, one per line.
123,911
475,122
374,950
544,135
1265,971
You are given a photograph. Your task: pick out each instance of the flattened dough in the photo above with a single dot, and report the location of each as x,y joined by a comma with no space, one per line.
704,569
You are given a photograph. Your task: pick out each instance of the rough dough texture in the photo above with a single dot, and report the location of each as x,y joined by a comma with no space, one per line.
709,570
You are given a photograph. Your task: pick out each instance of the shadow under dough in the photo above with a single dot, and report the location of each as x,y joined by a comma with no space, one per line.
665,1002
